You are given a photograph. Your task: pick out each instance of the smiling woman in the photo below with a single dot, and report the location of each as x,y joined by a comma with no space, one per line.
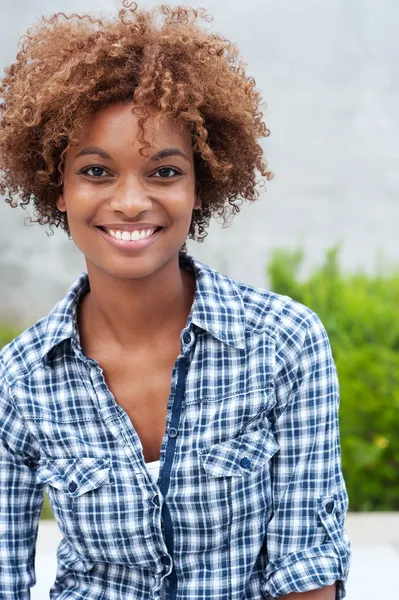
70,67
183,424
129,200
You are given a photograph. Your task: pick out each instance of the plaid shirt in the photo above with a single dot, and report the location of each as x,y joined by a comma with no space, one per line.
250,501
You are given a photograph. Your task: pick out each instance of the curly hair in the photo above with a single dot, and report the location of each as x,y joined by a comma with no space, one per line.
68,67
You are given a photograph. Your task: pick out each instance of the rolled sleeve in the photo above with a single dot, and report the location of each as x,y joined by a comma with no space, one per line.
307,546
21,501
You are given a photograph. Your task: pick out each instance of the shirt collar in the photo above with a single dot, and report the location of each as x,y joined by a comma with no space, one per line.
62,321
217,308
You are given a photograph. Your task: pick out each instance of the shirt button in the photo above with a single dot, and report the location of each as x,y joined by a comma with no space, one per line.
165,559
156,500
172,432
73,486
245,463
330,507
187,337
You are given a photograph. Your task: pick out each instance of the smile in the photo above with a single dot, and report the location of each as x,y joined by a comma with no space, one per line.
130,240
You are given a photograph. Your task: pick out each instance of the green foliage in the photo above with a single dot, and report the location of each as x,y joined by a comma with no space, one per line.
46,510
361,316
6,334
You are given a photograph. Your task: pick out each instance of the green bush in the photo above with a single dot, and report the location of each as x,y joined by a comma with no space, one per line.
7,334
47,513
361,316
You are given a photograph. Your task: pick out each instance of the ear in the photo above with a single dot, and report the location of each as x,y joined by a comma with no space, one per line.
61,204
197,202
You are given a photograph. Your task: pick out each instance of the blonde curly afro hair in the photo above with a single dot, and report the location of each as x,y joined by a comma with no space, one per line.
68,67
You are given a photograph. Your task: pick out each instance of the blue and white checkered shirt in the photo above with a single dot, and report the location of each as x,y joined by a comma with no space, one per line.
250,501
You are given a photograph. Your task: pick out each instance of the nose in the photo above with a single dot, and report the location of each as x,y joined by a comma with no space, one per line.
130,198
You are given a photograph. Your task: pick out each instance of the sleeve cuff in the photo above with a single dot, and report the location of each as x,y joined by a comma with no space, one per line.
306,570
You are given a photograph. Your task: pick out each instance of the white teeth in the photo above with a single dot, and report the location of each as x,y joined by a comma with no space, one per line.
130,235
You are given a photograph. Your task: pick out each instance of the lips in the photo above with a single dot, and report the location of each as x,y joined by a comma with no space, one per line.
131,238
130,234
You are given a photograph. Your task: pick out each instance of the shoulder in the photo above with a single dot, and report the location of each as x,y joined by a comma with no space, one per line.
291,324
25,353
17,359
261,312
278,315
271,311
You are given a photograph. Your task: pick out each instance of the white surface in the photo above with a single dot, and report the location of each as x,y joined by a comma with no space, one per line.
373,575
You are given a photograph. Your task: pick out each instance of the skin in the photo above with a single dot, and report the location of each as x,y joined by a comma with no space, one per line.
327,593
132,291
131,320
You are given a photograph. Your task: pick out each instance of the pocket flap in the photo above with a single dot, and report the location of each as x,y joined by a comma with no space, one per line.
74,476
241,455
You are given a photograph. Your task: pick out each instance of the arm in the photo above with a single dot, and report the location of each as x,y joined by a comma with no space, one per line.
307,547
327,593
21,501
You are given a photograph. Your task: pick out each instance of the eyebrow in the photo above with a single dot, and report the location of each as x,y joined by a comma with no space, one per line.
94,150
169,152
158,156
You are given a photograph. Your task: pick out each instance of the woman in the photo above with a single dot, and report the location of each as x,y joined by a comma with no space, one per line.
184,425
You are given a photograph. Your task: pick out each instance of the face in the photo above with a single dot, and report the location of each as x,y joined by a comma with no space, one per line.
129,214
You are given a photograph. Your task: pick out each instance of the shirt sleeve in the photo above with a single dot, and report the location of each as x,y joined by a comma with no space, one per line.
21,501
307,546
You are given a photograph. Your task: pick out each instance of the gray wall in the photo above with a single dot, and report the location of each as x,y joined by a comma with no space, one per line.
329,74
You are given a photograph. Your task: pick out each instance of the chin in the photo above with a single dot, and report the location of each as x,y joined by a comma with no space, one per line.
131,268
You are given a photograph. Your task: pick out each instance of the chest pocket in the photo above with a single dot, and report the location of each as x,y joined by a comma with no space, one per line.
80,498
91,506
74,477
240,456
237,487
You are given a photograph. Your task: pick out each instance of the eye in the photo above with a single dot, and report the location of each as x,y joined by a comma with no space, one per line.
95,170
166,173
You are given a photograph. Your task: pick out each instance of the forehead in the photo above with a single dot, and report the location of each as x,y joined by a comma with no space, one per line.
118,126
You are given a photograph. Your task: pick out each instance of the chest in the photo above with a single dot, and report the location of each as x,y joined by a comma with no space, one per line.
141,385
73,411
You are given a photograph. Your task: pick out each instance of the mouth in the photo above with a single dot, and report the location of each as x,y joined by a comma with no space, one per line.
130,239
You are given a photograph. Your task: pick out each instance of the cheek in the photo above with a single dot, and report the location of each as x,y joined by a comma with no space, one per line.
182,199
80,204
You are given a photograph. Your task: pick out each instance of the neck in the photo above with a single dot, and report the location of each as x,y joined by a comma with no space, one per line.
132,311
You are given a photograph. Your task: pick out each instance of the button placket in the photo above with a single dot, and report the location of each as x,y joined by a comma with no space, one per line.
180,373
